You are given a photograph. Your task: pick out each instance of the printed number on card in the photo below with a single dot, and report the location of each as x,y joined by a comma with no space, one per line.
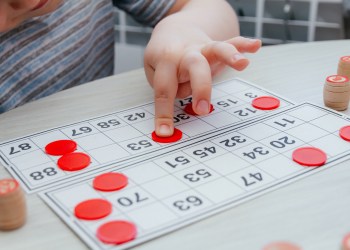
198,175
20,148
188,203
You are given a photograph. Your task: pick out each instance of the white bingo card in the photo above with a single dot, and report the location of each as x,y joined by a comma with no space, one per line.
125,136
205,177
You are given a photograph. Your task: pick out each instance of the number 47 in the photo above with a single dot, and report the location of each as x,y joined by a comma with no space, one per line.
256,177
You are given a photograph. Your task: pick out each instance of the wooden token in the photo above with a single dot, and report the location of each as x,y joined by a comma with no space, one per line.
337,96
344,68
337,89
343,71
344,63
8,186
337,101
339,106
117,232
281,245
12,205
346,242
337,80
336,92
345,60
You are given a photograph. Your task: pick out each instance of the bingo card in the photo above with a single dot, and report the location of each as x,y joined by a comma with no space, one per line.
124,136
206,176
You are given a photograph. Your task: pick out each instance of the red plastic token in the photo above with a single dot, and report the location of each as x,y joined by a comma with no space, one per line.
110,182
60,147
93,209
116,232
346,242
266,103
281,245
189,110
73,161
174,138
309,156
344,133
7,186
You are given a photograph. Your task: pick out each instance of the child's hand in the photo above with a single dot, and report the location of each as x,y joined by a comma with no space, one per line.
181,60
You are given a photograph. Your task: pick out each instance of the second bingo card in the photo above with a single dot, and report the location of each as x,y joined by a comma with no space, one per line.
161,194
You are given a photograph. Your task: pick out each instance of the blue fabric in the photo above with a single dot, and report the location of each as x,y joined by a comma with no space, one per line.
147,12
70,46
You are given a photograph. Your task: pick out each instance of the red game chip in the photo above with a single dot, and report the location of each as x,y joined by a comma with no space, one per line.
73,161
281,245
344,133
177,135
110,182
117,232
93,209
61,147
266,103
189,110
7,186
309,156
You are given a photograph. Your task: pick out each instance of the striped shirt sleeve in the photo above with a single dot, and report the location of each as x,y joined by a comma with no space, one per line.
146,12
70,46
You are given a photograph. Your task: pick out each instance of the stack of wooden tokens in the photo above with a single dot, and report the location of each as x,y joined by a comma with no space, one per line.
12,205
336,92
344,66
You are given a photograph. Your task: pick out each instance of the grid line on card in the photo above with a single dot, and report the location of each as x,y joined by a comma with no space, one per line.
242,126
189,187
91,238
239,170
21,178
213,207
203,140
104,194
105,197
221,176
307,122
128,156
3,159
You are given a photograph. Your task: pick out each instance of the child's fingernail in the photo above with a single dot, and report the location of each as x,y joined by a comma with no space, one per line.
251,40
238,57
164,129
203,107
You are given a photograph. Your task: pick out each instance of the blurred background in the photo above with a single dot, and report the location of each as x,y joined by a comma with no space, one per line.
272,21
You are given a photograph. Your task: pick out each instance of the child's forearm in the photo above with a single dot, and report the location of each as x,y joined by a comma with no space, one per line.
216,18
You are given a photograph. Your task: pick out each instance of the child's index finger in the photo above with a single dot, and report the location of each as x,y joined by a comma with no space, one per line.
165,88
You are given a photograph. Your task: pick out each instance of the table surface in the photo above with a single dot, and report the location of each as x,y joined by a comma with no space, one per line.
312,212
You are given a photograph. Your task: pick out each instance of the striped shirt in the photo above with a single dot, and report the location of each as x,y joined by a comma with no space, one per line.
70,46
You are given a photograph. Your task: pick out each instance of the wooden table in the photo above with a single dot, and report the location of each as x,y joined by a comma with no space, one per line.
313,212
